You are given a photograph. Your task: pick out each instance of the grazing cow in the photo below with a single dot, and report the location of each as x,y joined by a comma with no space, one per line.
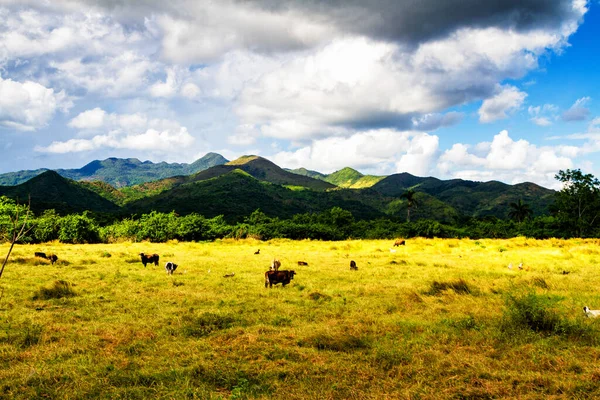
149,259
230,275
257,251
170,267
400,242
353,266
591,313
302,263
275,265
274,277
41,255
52,258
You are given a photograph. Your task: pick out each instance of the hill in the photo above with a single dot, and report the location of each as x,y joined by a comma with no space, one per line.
121,172
237,194
470,198
351,178
50,190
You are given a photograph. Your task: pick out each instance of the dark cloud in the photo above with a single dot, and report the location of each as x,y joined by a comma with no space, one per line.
431,122
415,21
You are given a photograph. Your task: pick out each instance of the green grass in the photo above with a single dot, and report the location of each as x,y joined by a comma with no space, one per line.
435,319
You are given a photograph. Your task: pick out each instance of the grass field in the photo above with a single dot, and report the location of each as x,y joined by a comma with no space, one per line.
429,320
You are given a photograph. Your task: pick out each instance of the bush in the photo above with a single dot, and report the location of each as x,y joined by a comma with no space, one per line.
78,229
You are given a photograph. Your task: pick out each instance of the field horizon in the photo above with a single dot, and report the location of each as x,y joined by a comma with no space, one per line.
437,318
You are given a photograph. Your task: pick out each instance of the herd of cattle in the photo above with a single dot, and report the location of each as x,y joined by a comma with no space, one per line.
272,277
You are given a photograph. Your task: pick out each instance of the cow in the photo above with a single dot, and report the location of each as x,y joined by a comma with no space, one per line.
257,251
400,242
170,267
41,255
353,265
229,275
275,265
274,277
149,259
53,258
302,263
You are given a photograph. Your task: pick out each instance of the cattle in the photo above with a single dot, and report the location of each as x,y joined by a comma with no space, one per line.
275,265
399,242
53,258
229,275
41,255
353,265
274,277
591,313
149,259
170,267
257,251
302,263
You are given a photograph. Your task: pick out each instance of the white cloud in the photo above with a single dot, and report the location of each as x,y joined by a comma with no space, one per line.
542,115
430,122
381,151
90,119
578,111
508,160
506,100
28,106
123,131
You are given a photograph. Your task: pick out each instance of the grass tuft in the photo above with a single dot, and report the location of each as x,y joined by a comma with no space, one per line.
341,343
319,296
58,290
459,286
207,323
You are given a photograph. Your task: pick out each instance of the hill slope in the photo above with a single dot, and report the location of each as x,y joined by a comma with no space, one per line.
50,190
121,172
470,198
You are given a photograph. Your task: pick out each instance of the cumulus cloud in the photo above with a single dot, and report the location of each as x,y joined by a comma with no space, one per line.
381,151
578,111
123,131
507,160
28,105
506,100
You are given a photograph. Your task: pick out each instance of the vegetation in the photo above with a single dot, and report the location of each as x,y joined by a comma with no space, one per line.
435,319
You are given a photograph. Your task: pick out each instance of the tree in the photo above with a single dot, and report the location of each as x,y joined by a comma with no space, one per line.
18,230
577,204
411,201
520,211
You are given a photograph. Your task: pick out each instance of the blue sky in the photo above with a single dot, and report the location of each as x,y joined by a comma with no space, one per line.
455,89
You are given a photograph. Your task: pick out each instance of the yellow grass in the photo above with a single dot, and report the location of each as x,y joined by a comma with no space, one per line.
379,332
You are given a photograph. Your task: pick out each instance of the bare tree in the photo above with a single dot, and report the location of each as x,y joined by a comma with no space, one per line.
19,229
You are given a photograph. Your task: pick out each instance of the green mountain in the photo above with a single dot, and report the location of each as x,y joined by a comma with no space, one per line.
470,198
351,178
120,172
236,194
307,172
50,190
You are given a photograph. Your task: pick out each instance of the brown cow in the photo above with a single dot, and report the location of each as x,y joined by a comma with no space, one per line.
399,242
149,259
353,265
302,263
274,277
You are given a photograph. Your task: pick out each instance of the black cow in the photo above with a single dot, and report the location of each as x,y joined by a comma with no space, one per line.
353,265
41,255
52,258
274,277
149,259
257,251
170,267
302,263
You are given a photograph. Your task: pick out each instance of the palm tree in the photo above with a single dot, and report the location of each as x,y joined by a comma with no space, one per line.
520,211
411,201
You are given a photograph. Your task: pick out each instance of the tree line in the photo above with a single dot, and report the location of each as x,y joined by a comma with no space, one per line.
574,214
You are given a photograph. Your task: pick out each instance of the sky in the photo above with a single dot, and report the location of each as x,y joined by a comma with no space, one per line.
504,90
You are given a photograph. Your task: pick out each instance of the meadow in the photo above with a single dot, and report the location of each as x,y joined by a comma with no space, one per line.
433,319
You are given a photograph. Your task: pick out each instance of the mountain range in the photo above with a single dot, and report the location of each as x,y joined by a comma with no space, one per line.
214,186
